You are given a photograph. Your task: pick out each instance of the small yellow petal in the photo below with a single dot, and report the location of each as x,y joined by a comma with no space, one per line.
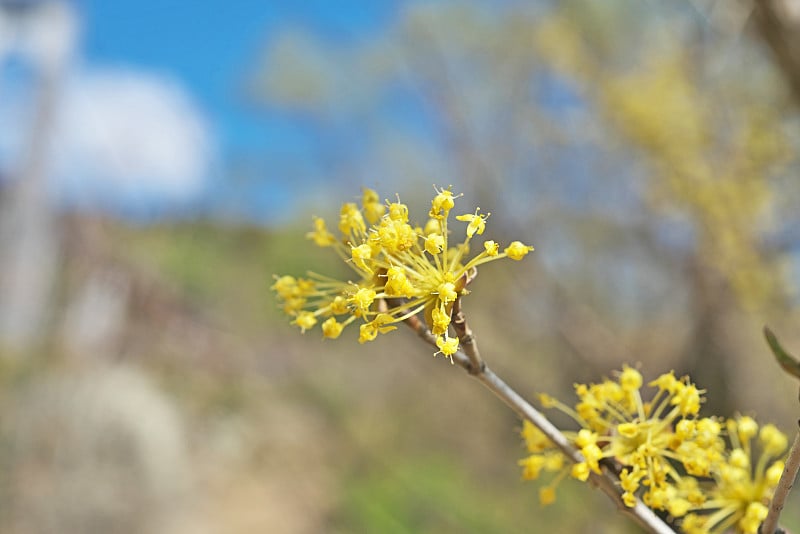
331,328
516,250
447,345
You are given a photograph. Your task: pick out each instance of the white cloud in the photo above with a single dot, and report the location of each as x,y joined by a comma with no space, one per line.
123,133
120,138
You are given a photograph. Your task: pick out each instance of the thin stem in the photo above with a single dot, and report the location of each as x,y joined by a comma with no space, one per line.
788,476
466,338
606,482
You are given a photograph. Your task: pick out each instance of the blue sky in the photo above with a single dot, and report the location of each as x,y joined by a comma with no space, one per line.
261,157
211,47
181,67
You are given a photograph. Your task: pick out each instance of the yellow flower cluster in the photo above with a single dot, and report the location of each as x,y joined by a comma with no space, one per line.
664,452
741,490
719,177
402,270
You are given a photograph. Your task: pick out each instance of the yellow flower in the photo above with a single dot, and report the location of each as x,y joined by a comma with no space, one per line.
397,283
360,255
398,212
580,471
629,479
773,440
321,236
746,427
643,438
585,438
373,208
447,292
678,507
548,460
432,226
331,328
532,466
447,345
401,270
363,299
441,204
773,474
305,320
740,486
753,516
687,398
662,445
434,244
338,305
351,221
477,223
547,495
516,250
380,325
367,332
440,320
628,430
285,286
630,379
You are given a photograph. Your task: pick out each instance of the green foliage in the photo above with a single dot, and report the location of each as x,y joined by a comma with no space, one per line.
225,268
434,494
787,362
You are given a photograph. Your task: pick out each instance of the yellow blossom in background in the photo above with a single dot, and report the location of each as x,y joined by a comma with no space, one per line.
321,236
544,457
741,489
618,425
718,177
401,270
665,453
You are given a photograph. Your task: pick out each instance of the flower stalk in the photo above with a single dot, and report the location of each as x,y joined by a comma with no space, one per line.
770,525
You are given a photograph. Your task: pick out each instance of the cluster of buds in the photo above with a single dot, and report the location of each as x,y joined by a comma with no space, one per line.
699,470
401,270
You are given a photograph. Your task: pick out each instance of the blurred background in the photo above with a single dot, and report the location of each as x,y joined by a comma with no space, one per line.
160,161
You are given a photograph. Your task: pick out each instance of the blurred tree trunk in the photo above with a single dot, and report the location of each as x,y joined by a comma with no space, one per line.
778,22
29,240
28,231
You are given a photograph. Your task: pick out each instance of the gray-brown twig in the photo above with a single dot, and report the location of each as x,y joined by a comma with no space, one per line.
770,525
466,339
